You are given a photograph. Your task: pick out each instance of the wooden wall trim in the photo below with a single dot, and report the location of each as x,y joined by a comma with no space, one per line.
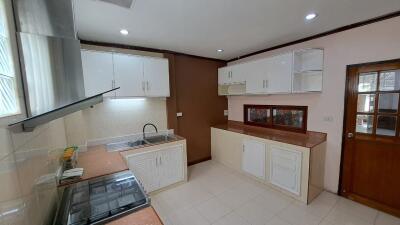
337,30
139,48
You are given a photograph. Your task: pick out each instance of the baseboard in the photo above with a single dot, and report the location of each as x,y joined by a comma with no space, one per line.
199,160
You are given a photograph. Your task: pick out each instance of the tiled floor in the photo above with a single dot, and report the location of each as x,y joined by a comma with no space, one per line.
217,195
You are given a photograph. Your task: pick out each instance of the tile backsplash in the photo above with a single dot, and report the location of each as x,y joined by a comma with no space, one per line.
28,166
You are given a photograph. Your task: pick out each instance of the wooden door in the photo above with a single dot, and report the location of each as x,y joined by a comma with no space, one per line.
253,159
194,93
156,76
98,74
371,143
128,73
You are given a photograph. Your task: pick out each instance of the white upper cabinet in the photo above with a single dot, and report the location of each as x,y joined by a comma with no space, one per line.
136,76
156,77
257,76
293,72
253,160
280,74
128,73
98,75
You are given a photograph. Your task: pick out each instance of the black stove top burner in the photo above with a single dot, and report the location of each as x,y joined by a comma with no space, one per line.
102,199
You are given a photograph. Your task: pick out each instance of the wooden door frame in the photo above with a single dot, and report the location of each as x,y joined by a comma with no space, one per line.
345,110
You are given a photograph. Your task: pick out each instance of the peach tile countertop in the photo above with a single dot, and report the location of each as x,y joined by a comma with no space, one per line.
146,216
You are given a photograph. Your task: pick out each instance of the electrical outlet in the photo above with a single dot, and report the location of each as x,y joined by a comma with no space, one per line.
328,119
225,112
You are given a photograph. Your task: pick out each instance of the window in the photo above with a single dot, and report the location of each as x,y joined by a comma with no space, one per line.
378,103
292,118
8,92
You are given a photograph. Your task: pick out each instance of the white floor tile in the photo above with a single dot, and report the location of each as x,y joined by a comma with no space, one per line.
254,213
217,195
232,219
213,210
186,217
386,219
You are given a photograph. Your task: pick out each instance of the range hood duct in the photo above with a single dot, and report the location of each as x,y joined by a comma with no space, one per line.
50,58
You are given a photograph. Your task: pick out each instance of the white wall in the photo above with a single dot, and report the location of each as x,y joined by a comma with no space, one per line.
115,117
374,42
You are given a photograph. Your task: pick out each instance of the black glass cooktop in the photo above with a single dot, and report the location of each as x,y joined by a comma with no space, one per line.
100,200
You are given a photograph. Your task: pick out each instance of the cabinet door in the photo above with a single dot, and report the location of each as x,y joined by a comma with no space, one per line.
98,73
253,159
238,73
144,166
156,76
285,171
128,73
257,76
223,76
171,165
280,74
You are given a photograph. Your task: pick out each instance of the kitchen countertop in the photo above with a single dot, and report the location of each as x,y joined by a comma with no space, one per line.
146,216
308,140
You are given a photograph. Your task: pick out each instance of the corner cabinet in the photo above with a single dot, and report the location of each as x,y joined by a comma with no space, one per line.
293,170
158,167
298,71
137,76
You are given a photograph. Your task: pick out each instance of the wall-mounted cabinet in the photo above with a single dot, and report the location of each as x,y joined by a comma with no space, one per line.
293,72
137,76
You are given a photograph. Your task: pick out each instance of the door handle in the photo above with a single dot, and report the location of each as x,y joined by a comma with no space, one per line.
350,135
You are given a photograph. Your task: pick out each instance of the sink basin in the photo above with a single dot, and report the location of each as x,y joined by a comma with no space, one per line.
120,146
137,143
159,138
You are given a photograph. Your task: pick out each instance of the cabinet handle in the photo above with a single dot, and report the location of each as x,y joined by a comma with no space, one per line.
148,85
143,86
263,83
266,83
160,161
243,148
156,161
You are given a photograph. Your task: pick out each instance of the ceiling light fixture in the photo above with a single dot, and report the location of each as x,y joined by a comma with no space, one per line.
220,50
311,16
124,32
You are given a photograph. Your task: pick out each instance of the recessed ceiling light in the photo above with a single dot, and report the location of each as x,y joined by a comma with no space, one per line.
311,16
124,32
220,50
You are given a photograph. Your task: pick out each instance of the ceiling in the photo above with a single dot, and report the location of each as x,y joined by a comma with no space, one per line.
200,27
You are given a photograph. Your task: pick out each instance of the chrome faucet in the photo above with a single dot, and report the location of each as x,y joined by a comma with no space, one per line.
144,127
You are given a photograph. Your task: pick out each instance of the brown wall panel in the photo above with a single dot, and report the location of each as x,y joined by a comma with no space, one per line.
196,96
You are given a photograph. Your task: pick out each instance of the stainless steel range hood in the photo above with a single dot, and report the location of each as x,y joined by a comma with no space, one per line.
50,61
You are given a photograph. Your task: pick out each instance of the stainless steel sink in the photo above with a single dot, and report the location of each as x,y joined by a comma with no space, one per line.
133,144
157,139
160,138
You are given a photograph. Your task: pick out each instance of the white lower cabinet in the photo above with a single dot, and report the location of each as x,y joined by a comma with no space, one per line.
158,169
253,159
285,169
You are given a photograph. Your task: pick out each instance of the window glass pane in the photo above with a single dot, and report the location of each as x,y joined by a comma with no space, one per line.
364,124
388,103
258,115
8,101
386,125
367,82
389,80
366,103
5,58
288,117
